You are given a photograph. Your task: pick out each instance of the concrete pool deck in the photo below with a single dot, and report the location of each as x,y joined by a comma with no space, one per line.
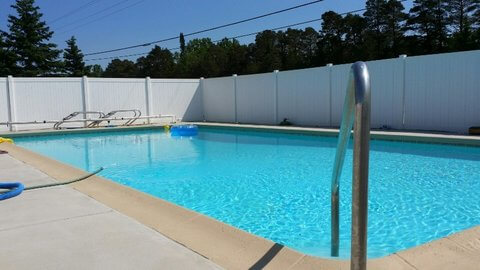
62,228
232,248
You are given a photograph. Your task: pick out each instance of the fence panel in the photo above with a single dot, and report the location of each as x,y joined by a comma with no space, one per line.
339,79
386,78
180,97
219,99
3,103
442,92
255,98
45,99
304,96
117,94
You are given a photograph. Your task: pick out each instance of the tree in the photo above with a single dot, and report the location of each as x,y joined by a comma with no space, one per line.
182,43
461,19
308,40
94,71
428,19
266,53
331,45
355,27
231,57
158,63
290,47
7,58
201,59
477,31
180,68
73,59
121,69
395,28
376,28
28,39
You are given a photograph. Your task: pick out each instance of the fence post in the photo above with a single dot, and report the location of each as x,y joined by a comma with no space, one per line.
85,99
235,97
202,92
275,98
148,97
403,58
329,66
11,106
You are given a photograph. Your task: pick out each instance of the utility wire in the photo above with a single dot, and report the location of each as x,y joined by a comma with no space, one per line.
74,11
103,17
208,29
94,14
234,37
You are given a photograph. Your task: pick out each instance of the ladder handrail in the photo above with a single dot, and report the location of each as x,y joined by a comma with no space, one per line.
73,114
356,112
136,114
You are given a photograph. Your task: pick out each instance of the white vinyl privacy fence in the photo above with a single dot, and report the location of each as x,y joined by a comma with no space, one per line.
39,99
434,92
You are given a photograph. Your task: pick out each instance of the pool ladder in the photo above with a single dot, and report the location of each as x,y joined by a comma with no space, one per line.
101,118
74,114
108,117
356,113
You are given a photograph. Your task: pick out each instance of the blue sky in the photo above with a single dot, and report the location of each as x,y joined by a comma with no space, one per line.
137,21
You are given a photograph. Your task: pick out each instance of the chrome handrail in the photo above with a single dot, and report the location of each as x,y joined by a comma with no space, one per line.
72,115
136,115
356,113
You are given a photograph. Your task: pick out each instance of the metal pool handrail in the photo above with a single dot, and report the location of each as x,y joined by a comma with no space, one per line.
356,113
136,114
72,115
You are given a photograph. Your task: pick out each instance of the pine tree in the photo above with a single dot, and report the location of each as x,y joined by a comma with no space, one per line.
267,52
181,66
7,59
428,18
461,20
355,27
476,19
395,27
182,43
28,38
374,15
73,59
331,44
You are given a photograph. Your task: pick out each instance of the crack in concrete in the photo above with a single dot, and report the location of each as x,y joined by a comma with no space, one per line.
405,260
54,220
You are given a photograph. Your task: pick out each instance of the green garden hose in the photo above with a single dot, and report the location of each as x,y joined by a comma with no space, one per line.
66,182
15,188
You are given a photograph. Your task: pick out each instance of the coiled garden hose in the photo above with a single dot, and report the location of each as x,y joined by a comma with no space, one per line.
17,188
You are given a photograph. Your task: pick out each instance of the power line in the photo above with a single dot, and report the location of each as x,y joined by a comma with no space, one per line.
103,17
74,11
94,14
234,37
208,29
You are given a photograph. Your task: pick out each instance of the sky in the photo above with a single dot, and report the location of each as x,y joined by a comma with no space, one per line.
108,24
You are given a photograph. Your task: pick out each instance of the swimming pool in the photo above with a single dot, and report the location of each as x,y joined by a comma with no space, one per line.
277,185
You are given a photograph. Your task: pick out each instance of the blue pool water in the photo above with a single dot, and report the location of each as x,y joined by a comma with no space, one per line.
278,185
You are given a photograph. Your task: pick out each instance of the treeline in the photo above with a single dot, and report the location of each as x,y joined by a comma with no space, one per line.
384,30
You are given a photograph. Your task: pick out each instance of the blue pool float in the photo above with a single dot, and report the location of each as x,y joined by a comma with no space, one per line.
184,130
14,190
